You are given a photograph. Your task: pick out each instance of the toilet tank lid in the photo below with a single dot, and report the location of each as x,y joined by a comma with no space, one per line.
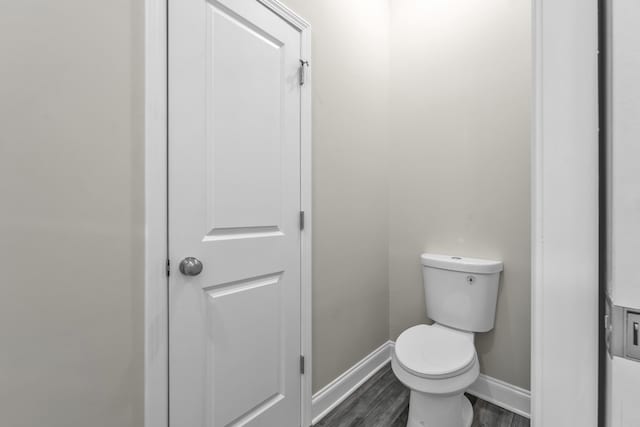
462,264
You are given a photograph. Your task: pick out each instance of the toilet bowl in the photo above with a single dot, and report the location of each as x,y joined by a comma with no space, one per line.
439,362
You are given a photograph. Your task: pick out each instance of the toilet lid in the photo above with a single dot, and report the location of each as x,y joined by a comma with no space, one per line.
434,352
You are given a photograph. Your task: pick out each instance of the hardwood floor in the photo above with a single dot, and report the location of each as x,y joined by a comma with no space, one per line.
384,402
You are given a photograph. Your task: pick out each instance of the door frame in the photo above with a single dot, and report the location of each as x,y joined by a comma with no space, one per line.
156,300
564,214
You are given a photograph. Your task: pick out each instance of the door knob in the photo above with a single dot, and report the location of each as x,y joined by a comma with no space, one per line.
190,266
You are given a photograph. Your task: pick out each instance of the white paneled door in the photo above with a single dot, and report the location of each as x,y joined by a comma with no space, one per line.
234,215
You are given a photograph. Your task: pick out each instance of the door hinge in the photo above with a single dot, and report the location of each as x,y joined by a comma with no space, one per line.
301,365
168,268
301,220
303,64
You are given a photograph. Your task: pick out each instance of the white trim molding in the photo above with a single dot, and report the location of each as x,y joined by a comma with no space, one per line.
342,387
564,216
495,391
503,394
297,21
156,315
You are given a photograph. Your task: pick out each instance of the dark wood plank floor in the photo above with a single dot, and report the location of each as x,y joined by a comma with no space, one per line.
384,402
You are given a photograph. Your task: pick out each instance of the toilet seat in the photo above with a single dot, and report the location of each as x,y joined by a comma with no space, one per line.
435,352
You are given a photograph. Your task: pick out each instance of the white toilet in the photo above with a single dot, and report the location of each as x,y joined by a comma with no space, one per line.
439,362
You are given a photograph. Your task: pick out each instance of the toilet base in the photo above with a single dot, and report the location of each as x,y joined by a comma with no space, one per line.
429,410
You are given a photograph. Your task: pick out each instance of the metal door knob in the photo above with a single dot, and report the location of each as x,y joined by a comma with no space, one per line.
190,266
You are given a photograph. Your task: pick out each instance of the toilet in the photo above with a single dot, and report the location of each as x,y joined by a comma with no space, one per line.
439,362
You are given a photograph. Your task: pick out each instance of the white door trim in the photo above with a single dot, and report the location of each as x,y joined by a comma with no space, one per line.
156,327
156,318
564,216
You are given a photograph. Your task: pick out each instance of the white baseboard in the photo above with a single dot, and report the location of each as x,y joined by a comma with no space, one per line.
339,389
500,393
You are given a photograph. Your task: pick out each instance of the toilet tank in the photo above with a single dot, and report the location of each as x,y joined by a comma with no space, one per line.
461,292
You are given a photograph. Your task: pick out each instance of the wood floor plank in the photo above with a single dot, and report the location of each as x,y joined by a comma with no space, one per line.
358,404
520,421
488,415
373,381
387,407
401,421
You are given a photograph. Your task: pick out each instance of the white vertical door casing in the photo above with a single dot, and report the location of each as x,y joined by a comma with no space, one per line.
623,281
564,364
234,202
623,140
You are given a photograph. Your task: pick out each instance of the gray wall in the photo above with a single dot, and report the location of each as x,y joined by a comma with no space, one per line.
71,191
350,132
459,159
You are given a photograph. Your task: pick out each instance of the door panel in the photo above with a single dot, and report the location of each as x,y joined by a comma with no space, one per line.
240,329
247,118
234,199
